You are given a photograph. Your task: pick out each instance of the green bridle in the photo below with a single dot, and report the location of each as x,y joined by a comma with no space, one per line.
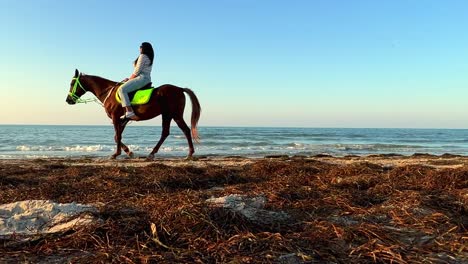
75,97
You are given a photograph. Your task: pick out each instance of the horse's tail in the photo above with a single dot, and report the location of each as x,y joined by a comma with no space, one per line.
196,110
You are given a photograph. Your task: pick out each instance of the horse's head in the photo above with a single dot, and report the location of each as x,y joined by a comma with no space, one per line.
76,89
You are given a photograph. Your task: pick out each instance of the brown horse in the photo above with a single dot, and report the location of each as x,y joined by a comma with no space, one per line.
167,100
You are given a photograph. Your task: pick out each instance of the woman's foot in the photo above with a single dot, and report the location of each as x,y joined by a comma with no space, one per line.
129,115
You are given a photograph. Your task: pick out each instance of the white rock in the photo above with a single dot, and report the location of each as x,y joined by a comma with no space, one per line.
35,217
250,207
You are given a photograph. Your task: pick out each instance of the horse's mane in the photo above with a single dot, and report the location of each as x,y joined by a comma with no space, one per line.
97,78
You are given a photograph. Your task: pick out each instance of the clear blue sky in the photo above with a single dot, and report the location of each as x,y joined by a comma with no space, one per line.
310,63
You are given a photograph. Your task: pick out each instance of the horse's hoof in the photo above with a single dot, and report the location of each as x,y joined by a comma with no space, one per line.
191,158
150,157
130,155
113,157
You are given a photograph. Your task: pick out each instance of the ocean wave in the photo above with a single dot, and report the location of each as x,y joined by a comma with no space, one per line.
173,149
36,148
299,146
336,148
21,141
249,148
376,147
75,148
79,148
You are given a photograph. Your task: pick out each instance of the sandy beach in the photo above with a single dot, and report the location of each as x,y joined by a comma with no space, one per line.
320,209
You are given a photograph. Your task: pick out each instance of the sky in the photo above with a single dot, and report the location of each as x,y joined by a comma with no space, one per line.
298,63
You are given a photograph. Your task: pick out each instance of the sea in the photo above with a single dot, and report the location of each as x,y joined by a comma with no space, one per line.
43,141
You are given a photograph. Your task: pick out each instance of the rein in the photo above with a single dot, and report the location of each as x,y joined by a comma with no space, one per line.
110,92
75,97
78,99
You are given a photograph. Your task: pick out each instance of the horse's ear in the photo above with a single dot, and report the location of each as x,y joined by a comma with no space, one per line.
76,73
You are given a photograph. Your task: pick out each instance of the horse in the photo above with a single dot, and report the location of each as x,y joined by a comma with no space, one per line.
167,100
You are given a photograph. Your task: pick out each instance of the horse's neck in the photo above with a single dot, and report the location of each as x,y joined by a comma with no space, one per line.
100,87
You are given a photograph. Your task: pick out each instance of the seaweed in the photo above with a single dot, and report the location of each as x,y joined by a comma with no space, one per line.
340,212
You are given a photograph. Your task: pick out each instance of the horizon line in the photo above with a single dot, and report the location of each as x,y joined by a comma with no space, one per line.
247,126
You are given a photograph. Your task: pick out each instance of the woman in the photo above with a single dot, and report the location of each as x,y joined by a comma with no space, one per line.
140,77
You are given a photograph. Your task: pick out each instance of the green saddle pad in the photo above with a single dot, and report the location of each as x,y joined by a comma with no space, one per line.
140,97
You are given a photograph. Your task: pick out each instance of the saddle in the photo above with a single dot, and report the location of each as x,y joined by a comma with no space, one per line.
140,96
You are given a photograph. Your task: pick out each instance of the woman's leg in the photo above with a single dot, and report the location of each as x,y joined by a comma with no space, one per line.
128,87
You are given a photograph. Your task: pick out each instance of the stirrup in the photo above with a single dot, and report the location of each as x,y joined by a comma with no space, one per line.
128,115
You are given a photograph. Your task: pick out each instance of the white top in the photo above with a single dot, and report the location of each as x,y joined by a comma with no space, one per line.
143,66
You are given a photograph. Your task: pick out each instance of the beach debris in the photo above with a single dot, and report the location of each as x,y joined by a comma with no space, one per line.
249,207
30,219
216,189
340,211
322,155
294,258
284,157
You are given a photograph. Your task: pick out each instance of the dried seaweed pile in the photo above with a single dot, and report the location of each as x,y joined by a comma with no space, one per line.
355,213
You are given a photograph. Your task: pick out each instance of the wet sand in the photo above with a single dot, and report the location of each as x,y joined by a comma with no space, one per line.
340,210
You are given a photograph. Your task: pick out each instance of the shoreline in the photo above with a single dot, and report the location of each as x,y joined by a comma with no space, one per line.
438,161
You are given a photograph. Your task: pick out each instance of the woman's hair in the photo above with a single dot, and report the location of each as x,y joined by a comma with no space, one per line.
146,49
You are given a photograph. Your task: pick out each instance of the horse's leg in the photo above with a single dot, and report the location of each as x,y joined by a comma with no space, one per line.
183,126
119,128
166,125
124,147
